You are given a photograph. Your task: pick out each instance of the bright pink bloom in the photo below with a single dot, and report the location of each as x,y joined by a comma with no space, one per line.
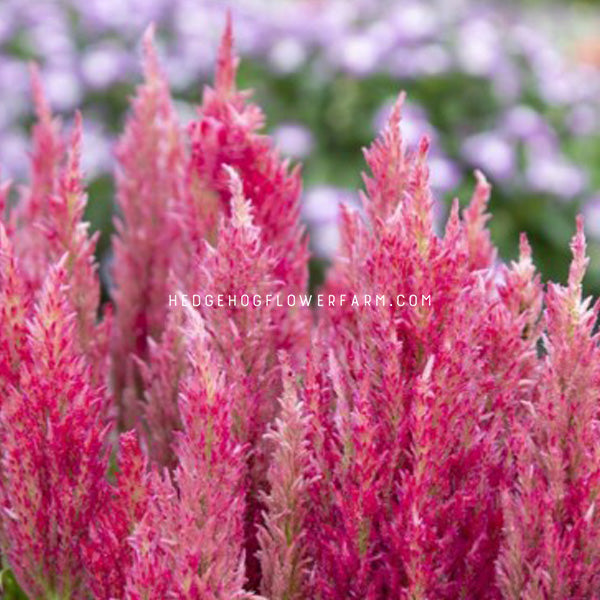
150,154
226,134
48,222
552,531
46,158
283,560
161,374
14,308
411,471
107,554
193,529
247,338
53,452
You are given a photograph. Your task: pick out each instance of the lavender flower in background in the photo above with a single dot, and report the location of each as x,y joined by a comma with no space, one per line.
554,175
493,153
320,210
592,217
293,139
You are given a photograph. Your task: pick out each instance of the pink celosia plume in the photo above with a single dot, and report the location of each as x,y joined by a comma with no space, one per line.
48,222
53,451
284,563
405,385
193,532
248,338
14,308
552,529
107,553
150,155
226,133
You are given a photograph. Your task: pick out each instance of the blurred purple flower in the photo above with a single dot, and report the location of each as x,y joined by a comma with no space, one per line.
522,122
97,155
357,54
414,21
13,148
478,47
492,153
431,59
63,89
507,80
101,66
555,175
591,213
444,174
583,119
293,139
6,22
287,55
320,210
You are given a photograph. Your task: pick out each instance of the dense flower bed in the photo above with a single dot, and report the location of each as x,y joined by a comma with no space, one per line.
445,450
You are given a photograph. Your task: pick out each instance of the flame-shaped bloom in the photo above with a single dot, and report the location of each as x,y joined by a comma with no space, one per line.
226,134
551,549
190,543
48,222
161,374
66,231
248,337
150,155
158,204
108,555
14,307
282,545
47,156
410,475
53,452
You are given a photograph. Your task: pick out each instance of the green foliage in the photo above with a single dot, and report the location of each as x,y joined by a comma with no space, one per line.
9,588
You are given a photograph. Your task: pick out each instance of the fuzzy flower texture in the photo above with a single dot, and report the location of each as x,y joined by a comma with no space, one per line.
443,451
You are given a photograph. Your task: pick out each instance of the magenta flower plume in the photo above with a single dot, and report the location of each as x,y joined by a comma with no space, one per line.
161,374
284,563
552,529
48,222
248,337
14,308
47,155
225,133
150,154
194,527
346,493
53,452
158,205
65,231
419,396
108,555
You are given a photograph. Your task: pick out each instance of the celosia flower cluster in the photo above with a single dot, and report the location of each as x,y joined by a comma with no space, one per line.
447,450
